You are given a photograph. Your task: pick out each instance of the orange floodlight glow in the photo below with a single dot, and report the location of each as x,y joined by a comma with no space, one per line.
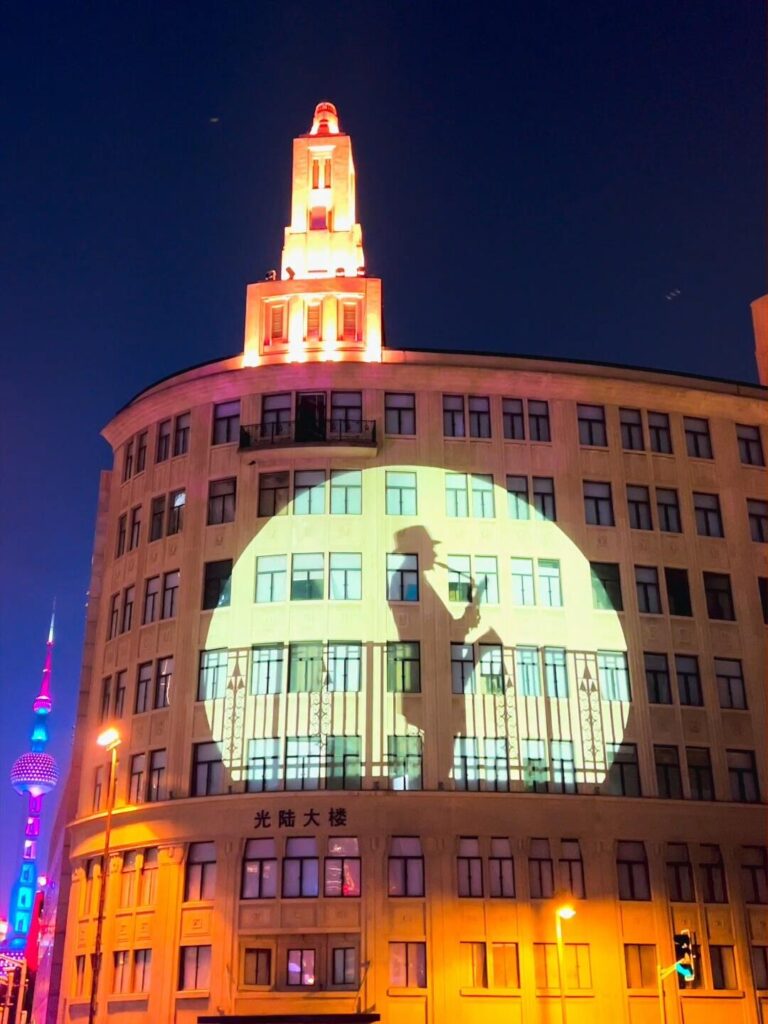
109,739
566,911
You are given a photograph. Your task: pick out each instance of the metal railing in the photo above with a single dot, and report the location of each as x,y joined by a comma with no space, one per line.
298,432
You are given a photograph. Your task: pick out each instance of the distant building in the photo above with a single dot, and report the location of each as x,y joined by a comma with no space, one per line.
408,648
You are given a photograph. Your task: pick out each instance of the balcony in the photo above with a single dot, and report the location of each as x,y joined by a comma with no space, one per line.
347,437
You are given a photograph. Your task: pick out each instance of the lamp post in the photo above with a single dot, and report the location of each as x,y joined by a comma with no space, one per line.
563,912
109,740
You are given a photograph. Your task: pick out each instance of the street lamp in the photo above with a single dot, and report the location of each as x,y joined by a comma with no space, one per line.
110,741
563,912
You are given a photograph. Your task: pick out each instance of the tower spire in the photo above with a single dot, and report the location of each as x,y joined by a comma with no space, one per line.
42,704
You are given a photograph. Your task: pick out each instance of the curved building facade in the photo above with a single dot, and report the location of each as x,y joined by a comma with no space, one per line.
406,650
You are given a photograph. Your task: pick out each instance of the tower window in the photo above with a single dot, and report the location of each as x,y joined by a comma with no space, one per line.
277,322
349,321
314,310
318,218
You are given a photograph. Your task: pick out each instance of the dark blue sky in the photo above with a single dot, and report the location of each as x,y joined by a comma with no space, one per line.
533,177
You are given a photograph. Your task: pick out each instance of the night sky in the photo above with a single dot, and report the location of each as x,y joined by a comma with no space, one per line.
533,178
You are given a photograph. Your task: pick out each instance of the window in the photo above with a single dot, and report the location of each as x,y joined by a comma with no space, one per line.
631,421
730,683
347,406
403,667
120,686
700,778
143,684
624,773
760,966
469,867
157,784
758,519
697,440
513,419
572,868
138,768
754,874
639,507
400,414
176,503
171,593
401,494
522,581
456,503
453,416
491,669
217,582
303,762
679,873
613,674
504,965
538,420
344,970
556,671
134,535
501,869
517,497
487,579
482,496
148,877
660,433
688,680
270,578
678,592
640,962
112,628
750,445
404,760
606,586
259,877
307,576
541,874
527,671
474,968
402,577
405,867
578,973
742,776
157,518
592,430
267,669
657,678
309,492
408,964
276,414
128,461
762,589
712,874
479,416
181,434
598,503
195,968
257,967
349,320
122,534
142,970
151,600
273,493
200,878
343,762
459,579
550,589
466,763
212,674
277,320
163,679
723,965
632,870
544,498
648,591
346,492
121,975
126,618
314,321
345,577
668,780
717,590
668,510
106,698
226,422
221,501
207,770
344,667
305,667
301,967
163,449
301,867
563,768
79,976
263,765
141,451
342,867
709,522
534,766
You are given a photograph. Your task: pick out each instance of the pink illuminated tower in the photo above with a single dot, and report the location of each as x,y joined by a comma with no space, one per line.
34,773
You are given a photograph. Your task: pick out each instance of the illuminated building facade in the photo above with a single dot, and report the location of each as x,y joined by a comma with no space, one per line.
403,648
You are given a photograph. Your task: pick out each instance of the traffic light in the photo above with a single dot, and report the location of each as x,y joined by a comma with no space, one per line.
685,957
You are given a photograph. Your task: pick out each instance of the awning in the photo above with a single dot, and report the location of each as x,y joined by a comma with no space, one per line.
291,1018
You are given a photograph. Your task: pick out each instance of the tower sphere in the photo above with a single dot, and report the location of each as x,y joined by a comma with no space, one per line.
34,773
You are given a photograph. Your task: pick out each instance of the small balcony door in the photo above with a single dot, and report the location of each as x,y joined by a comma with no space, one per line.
310,416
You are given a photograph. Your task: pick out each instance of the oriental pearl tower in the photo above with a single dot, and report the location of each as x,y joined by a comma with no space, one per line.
34,773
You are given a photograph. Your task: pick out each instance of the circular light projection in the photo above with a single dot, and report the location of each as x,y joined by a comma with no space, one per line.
34,773
531,694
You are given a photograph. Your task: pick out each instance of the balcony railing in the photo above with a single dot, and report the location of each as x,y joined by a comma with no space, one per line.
290,433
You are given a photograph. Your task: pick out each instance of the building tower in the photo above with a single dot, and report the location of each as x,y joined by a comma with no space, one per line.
34,773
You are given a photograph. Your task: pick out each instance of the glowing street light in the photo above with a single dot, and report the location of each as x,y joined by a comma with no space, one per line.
564,911
110,740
